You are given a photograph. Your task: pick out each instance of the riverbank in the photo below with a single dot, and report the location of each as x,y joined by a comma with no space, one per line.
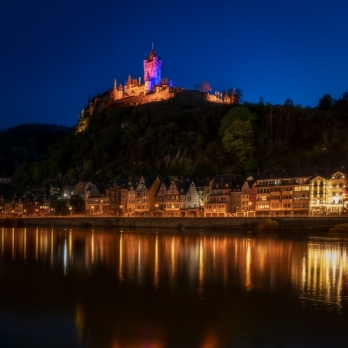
174,223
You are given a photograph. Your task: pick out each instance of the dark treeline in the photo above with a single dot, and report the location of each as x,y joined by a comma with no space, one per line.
196,141
27,143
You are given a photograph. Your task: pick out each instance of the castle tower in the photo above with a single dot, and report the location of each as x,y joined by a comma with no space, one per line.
114,91
234,97
152,69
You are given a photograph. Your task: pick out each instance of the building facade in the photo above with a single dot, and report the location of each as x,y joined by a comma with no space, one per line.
329,194
219,202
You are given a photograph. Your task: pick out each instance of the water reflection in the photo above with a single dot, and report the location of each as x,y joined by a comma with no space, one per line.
141,285
324,272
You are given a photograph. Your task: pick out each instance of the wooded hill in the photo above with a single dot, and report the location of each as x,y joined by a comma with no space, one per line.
198,140
27,143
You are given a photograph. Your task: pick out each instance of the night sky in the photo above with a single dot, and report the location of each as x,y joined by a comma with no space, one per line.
54,54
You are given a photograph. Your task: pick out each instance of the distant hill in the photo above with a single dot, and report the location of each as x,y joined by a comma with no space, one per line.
27,143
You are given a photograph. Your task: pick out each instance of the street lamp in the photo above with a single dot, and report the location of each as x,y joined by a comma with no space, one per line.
70,209
92,209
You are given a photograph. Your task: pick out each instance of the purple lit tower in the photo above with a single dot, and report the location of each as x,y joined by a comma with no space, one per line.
152,70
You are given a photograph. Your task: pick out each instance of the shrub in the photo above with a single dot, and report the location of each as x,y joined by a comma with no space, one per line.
268,225
339,228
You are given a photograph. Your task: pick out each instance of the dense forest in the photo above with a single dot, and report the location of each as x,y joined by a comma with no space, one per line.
195,141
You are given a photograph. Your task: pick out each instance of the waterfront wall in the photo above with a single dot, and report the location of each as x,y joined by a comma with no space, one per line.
180,223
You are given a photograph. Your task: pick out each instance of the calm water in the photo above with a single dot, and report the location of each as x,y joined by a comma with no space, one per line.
80,288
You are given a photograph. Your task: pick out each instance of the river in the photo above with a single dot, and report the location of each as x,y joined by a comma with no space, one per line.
155,289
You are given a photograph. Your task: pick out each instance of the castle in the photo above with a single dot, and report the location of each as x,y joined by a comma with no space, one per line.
153,83
154,88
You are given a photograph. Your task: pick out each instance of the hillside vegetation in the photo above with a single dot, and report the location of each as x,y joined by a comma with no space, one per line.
192,140
24,144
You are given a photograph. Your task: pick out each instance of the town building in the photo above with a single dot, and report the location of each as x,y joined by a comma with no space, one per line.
145,195
248,197
203,187
328,192
182,199
97,203
131,200
118,196
284,192
4,179
161,198
219,202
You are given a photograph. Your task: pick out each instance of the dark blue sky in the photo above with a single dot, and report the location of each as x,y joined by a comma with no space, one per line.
54,54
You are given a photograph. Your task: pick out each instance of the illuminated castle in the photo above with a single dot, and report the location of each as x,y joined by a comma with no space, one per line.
153,83
154,88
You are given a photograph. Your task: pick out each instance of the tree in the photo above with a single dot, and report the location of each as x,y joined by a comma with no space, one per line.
341,104
238,140
326,102
239,113
203,87
288,102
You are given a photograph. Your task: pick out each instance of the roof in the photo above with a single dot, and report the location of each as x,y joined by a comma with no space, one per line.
152,55
298,172
326,172
182,186
223,180
148,181
202,182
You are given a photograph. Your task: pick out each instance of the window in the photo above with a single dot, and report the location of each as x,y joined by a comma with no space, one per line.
263,206
301,188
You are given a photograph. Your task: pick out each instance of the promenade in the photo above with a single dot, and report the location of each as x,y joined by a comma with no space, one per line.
180,223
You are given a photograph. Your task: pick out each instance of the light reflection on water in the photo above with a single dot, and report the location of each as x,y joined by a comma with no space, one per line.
324,272
204,273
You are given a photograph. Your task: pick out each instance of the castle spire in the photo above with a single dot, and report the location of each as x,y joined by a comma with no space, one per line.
129,80
114,83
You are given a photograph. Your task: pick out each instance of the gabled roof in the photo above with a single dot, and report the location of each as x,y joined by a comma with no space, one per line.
224,179
148,181
182,186
327,172
164,183
100,187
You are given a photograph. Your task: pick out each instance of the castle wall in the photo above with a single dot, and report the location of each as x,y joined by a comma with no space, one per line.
160,93
213,98
134,90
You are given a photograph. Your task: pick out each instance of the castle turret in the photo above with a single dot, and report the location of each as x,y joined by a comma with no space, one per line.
234,97
147,82
114,91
